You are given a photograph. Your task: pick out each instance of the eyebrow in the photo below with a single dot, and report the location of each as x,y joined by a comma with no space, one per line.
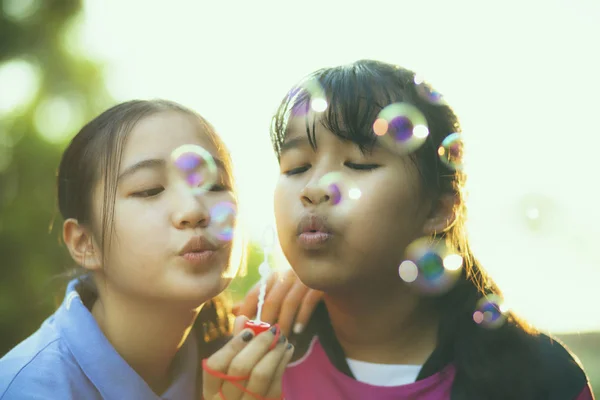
149,163
156,163
293,143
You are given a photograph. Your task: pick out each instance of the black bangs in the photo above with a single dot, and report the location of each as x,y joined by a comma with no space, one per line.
353,96
347,100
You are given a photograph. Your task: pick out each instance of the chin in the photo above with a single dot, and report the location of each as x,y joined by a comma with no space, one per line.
321,274
196,291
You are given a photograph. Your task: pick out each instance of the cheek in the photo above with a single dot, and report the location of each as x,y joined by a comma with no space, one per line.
280,199
284,204
140,226
387,211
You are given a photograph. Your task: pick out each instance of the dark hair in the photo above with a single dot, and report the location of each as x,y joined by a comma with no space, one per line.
356,93
95,151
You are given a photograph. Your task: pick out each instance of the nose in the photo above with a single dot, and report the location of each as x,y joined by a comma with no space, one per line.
190,211
314,194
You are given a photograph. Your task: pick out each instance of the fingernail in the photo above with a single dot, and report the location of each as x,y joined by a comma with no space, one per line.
282,339
289,346
298,328
247,336
273,329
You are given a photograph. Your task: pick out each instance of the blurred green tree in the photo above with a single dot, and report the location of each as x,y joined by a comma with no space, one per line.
47,91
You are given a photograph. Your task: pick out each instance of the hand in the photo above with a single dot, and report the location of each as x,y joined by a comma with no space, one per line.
247,356
287,301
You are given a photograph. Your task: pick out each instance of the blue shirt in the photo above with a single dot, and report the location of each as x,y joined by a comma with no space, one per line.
70,358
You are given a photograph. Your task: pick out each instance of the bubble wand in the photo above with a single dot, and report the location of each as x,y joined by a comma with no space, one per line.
264,270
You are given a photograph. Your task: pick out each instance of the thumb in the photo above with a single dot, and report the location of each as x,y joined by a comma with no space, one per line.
238,325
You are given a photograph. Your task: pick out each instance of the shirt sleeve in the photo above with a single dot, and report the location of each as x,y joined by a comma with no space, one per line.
586,393
566,378
50,375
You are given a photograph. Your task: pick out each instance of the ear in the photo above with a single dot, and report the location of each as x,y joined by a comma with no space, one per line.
442,216
81,245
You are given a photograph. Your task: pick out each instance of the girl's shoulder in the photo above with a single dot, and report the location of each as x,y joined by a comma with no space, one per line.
42,367
527,364
561,371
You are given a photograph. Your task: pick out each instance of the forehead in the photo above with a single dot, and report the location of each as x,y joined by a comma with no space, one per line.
157,135
300,128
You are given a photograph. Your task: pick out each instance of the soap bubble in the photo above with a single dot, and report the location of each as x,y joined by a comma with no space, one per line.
313,91
339,187
490,312
222,221
451,151
427,92
402,126
197,167
431,266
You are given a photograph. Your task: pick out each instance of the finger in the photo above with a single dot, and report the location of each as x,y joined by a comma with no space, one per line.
275,297
221,360
307,308
242,364
262,375
249,305
238,324
276,388
290,306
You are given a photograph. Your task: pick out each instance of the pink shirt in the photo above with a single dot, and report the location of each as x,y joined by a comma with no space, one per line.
313,377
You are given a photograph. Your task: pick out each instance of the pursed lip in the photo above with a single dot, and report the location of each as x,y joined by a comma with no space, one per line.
197,244
313,232
313,223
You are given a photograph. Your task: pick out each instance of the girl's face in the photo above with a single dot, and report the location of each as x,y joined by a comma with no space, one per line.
367,236
156,216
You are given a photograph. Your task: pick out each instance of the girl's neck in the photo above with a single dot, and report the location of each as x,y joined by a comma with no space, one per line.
147,336
385,327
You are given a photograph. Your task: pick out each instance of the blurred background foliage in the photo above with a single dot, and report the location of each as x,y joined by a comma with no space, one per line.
57,92
60,89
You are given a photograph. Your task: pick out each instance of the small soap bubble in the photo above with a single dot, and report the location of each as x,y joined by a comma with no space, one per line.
490,312
403,126
197,167
408,271
540,213
222,221
431,265
451,151
533,213
318,104
437,265
312,97
354,193
453,262
338,187
427,92
478,317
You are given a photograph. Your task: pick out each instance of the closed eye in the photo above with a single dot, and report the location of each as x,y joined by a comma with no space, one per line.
148,193
296,171
362,167
218,188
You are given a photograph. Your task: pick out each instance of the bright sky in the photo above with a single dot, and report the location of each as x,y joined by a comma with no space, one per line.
522,75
